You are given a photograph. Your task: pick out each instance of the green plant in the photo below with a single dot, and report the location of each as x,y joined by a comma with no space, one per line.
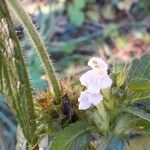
38,44
75,12
14,79
122,112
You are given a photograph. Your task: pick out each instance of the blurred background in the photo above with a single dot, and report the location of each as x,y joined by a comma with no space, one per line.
73,31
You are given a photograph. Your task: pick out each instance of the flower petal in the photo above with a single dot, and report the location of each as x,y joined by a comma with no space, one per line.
105,82
84,101
84,105
96,98
90,80
98,63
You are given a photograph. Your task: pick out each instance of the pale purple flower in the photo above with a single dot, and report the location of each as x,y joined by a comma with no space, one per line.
88,99
94,80
98,64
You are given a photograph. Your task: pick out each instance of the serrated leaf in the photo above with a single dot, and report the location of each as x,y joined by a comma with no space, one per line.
137,96
128,123
74,137
140,68
79,3
76,15
138,112
14,83
139,84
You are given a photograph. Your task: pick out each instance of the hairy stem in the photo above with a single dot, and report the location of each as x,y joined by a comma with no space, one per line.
38,44
24,89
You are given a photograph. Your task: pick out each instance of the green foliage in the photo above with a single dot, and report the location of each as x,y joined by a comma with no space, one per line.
120,79
138,112
76,15
75,12
39,46
101,118
140,84
127,124
14,82
69,47
125,118
111,30
140,68
35,70
79,3
117,115
139,72
74,137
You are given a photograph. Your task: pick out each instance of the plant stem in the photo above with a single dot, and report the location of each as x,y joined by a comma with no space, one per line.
24,89
38,44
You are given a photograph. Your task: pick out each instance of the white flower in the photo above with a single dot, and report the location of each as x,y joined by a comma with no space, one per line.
98,64
88,99
94,80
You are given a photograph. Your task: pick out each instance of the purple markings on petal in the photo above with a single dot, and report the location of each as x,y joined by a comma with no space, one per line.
95,98
97,63
86,99
90,80
94,80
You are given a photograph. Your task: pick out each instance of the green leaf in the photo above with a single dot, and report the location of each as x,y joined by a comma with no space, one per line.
76,15
69,47
137,96
140,68
74,137
138,112
79,3
139,84
100,118
14,81
120,79
127,123
111,30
